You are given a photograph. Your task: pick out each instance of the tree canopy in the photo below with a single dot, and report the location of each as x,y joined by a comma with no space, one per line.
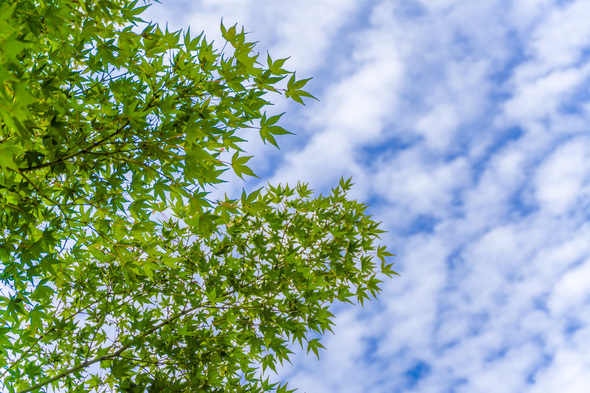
118,270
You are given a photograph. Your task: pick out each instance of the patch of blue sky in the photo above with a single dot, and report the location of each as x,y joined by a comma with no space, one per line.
577,102
455,264
418,371
422,224
455,386
540,303
573,325
496,354
502,71
563,3
409,9
371,354
520,205
371,155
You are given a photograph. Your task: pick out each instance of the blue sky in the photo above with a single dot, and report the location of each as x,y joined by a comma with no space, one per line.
466,125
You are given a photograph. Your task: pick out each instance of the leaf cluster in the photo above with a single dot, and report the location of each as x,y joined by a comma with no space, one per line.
118,272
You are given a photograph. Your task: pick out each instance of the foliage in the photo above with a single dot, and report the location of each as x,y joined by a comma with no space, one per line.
119,273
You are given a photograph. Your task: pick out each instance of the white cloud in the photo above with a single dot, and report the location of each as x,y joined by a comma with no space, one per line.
560,40
544,96
352,112
417,186
571,292
562,180
568,371
308,31
439,126
305,30
525,14
556,67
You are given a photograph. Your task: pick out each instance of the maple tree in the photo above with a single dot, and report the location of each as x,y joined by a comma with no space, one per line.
118,272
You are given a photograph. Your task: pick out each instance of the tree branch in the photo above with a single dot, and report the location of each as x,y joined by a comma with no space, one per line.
106,357
83,151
